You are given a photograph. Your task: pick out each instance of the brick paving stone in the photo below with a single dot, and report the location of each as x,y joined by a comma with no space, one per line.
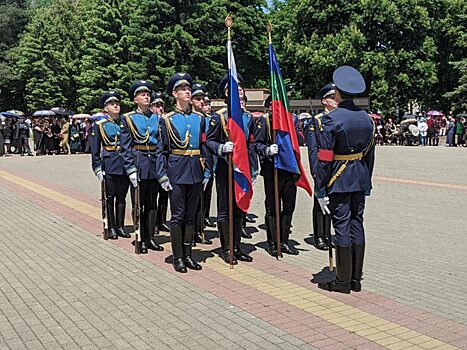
78,298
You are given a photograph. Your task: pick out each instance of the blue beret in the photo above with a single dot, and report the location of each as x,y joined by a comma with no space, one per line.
349,80
139,86
178,79
224,83
198,90
109,96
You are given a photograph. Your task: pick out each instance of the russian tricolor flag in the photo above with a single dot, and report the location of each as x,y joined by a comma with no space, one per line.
241,164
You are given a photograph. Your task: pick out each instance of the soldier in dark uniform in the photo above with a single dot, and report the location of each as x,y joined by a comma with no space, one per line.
142,158
183,141
207,110
321,222
157,107
343,176
107,162
219,144
198,94
266,150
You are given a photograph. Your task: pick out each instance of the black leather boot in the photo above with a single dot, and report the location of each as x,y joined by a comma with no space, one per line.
199,239
286,221
270,232
238,223
320,243
223,228
151,224
162,216
111,219
121,220
177,249
209,223
187,249
358,254
344,272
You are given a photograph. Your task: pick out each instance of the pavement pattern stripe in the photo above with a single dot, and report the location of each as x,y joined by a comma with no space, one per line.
421,183
309,301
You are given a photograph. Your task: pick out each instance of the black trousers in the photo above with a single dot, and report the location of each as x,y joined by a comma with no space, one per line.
184,200
148,203
321,222
287,193
162,203
23,144
222,188
206,196
116,191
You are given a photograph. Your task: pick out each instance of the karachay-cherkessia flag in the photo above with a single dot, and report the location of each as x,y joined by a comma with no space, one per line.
288,157
241,164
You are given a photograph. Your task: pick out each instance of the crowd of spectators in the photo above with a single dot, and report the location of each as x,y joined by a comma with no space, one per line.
44,136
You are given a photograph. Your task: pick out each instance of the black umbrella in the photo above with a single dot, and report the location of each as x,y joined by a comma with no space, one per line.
463,114
408,116
43,113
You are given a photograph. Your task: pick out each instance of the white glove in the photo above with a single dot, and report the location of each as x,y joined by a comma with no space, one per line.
166,186
134,179
100,176
253,181
205,183
323,203
272,150
228,147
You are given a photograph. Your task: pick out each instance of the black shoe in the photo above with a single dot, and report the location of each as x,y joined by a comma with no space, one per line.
250,220
179,265
245,234
332,243
191,264
113,233
272,249
320,243
121,233
199,239
152,244
242,256
226,257
335,286
356,286
144,248
285,248
209,223
164,227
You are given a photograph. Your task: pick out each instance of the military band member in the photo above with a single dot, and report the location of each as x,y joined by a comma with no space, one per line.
321,222
198,95
343,177
219,144
142,158
157,107
183,141
107,163
266,150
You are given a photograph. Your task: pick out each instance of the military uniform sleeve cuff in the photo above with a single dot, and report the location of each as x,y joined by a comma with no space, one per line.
131,170
219,150
97,170
320,193
163,179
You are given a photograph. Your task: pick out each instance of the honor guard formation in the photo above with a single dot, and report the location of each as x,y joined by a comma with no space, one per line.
177,156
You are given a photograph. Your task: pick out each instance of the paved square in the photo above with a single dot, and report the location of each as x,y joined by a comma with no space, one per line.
63,287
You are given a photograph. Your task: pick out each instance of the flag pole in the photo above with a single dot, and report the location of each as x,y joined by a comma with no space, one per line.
229,24
276,176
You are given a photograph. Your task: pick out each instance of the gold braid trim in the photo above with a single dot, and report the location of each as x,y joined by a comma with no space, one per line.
338,173
104,136
268,125
134,131
222,114
173,137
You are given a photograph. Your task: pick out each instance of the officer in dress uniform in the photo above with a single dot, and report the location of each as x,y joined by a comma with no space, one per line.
142,158
219,144
157,107
187,169
107,162
266,150
198,95
343,176
321,222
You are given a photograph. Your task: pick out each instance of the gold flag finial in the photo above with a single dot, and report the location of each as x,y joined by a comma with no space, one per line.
229,24
269,29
